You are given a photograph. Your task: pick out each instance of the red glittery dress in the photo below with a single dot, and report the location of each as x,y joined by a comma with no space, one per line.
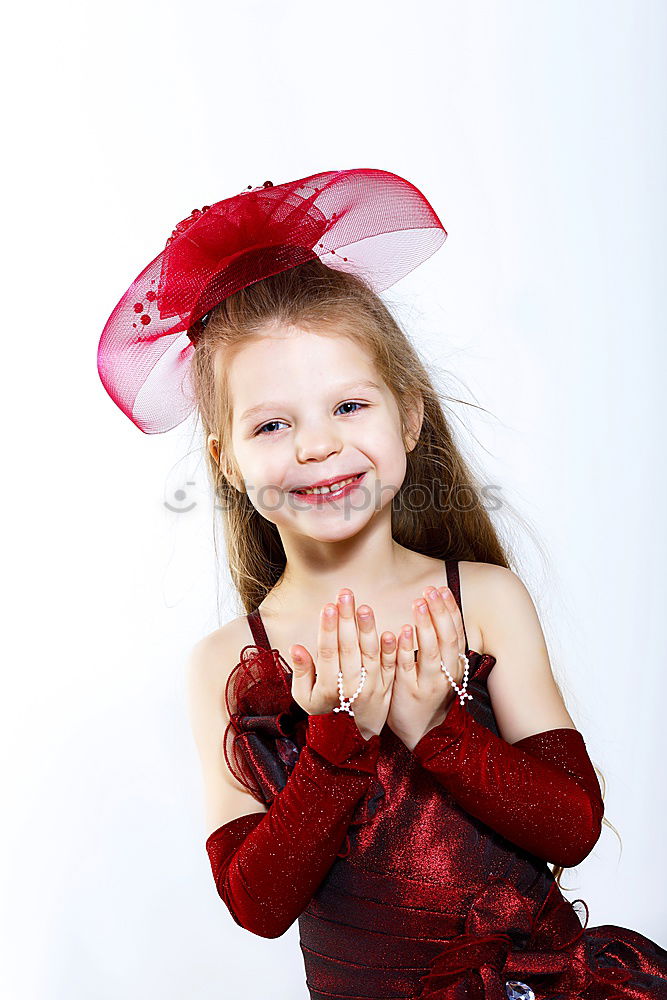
423,900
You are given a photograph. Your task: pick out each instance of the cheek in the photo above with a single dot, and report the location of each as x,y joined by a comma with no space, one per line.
395,473
270,501
264,481
390,452
266,499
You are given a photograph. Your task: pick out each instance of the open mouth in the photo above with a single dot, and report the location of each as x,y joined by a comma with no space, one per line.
334,490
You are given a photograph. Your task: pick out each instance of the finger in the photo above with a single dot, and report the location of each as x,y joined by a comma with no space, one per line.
303,674
428,660
348,641
388,652
455,613
368,637
445,629
327,647
405,656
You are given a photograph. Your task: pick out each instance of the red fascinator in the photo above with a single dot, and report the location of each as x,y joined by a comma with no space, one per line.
368,222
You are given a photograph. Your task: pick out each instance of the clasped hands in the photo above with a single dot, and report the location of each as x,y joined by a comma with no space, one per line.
410,695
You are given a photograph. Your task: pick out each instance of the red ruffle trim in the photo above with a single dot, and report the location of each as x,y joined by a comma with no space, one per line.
267,731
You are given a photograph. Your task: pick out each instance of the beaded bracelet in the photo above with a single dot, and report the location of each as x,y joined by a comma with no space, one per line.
461,691
346,703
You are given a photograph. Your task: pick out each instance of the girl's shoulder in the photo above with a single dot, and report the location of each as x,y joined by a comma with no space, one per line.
230,789
487,591
488,582
216,654
241,708
483,577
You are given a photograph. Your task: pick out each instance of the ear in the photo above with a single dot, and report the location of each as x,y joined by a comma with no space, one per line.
414,418
213,443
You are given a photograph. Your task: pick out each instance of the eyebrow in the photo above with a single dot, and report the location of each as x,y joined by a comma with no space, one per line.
338,390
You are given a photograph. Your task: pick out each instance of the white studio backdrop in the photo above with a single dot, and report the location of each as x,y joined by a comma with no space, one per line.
538,134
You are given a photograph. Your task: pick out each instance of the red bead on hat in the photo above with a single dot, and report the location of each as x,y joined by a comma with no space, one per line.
368,222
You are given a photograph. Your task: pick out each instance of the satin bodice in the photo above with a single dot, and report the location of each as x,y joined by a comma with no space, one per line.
423,900
410,876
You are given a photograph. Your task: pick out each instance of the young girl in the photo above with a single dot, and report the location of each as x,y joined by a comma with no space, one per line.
394,774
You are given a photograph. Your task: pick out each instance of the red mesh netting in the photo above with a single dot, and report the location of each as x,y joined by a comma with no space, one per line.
267,731
368,222
266,727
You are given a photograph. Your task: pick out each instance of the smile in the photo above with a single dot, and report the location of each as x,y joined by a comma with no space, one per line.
341,488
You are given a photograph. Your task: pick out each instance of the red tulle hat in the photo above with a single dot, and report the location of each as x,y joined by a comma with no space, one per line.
368,222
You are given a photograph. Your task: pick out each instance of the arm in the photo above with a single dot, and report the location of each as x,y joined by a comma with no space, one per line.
267,863
540,793
268,866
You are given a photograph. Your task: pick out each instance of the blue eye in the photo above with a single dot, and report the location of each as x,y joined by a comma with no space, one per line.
272,423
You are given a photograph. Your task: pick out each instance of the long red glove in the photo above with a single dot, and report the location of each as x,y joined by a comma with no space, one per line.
267,866
541,793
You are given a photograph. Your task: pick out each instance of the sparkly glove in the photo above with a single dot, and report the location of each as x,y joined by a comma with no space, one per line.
541,793
267,866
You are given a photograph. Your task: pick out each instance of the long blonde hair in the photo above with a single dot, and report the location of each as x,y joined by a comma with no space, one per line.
315,297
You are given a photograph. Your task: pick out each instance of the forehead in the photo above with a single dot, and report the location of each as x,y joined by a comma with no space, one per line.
280,365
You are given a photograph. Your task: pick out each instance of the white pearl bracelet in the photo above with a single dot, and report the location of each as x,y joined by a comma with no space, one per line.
461,691
345,703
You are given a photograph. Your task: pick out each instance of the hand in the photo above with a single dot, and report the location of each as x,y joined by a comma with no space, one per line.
339,645
422,694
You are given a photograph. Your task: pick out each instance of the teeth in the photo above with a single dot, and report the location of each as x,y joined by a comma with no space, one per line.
330,489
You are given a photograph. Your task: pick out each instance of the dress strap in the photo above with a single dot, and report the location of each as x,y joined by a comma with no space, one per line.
454,584
257,628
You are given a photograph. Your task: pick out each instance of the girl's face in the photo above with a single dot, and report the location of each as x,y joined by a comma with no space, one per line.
308,407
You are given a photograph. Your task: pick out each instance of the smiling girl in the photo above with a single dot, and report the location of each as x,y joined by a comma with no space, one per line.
386,755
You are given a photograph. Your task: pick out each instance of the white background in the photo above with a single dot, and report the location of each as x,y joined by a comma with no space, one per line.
537,131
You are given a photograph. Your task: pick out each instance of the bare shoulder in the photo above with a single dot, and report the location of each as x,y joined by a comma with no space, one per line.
483,574
524,694
492,596
214,656
209,665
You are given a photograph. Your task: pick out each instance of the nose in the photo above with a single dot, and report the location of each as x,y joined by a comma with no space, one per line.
316,444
